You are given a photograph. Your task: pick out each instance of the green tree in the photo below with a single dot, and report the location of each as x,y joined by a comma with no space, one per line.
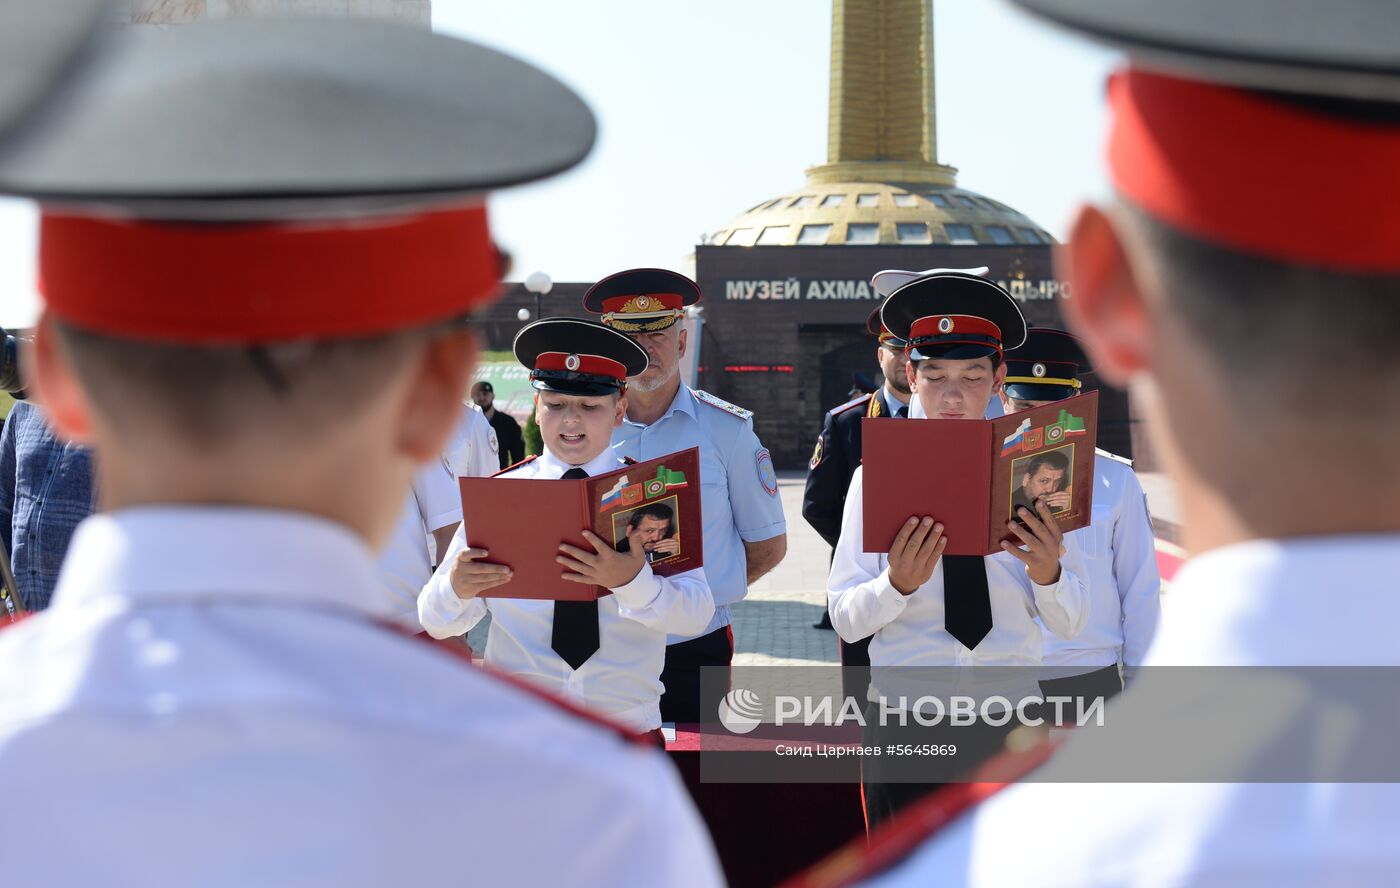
534,443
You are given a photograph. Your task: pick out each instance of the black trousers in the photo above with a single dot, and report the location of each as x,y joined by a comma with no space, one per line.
1105,683
682,701
892,781
855,668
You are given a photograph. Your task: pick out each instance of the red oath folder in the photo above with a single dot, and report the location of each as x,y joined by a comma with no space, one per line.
971,474
522,521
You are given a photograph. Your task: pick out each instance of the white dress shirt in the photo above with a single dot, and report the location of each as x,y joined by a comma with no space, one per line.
433,502
213,700
739,500
472,450
623,677
1120,563
1304,602
908,629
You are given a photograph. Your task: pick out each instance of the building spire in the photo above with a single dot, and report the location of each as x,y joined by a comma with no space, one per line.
882,124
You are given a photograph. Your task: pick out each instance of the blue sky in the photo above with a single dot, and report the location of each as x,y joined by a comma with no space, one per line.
706,109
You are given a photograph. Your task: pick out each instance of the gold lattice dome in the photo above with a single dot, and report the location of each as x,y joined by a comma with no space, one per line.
865,213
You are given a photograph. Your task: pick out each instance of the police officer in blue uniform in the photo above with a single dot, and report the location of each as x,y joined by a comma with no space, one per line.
745,533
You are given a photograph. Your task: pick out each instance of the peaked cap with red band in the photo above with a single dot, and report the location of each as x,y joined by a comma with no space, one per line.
42,45
1225,103
954,315
577,357
878,330
262,180
641,300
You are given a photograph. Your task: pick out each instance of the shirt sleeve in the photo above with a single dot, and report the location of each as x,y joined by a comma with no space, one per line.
436,491
828,475
672,845
8,481
859,595
1135,572
677,605
753,489
485,457
1062,606
441,612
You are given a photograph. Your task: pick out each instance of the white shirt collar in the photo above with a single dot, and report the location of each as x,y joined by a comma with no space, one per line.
219,552
551,466
683,402
1306,601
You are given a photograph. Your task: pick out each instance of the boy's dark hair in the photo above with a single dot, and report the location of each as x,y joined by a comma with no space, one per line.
208,394
1263,321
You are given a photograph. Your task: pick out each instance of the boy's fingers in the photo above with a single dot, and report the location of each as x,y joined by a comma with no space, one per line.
901,539
575,552
1021,554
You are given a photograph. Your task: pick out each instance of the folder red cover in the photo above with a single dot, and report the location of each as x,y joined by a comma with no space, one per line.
971,474
522,521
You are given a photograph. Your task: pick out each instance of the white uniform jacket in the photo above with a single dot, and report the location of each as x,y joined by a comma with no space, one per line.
623,678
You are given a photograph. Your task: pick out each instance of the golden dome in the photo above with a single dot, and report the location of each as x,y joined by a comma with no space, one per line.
869,213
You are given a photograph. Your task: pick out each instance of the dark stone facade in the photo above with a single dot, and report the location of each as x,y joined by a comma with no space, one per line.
784,327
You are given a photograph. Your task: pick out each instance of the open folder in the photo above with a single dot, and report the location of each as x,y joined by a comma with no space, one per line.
972,474
522,521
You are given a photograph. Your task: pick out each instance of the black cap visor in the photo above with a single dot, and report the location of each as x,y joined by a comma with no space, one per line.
1027,391
565,382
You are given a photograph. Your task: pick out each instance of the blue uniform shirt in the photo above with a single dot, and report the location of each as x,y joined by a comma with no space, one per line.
46,488
738,487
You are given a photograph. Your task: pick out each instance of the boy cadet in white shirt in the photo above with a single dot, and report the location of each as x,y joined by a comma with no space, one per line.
1263,351
431,513
1119,555
934,618
217,667
606,655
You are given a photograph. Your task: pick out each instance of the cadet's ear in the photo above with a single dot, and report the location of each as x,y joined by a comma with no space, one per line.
1106,309
911,372
435,399
53,384
621,410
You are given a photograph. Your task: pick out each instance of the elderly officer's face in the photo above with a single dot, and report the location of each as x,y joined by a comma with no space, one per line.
950,389
664,350
576,428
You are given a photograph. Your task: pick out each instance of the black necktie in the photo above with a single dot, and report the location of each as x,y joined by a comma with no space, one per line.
575,634
967,606
902,412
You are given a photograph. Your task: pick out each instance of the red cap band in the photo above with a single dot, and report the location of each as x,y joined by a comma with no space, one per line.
955,330
1255,174
644,302
266,282
594,364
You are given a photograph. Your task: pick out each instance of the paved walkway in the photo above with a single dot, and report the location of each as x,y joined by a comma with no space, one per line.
774,624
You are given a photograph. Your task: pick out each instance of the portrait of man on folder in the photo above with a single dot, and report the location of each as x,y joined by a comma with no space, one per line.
655,524
1046,475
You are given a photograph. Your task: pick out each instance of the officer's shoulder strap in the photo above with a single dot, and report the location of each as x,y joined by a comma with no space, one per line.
524,462
1113,456
901,837
854,402
705,397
